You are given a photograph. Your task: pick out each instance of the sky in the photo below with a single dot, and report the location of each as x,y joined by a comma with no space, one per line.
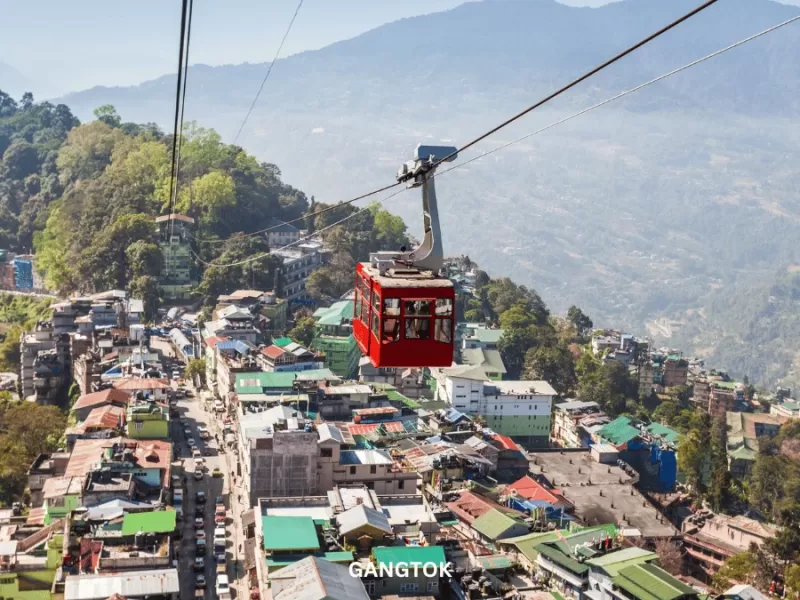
70,46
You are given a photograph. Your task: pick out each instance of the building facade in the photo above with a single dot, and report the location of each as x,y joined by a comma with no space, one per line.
174,238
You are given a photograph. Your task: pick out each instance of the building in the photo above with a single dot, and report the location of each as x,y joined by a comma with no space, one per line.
788,409
44,363
44,467
147,420
334,338
268,388
709,539
575,421
298,263
279,233
150,461
716,396
290,357
234,323
494,525
28,573
144,387
183,347
175,240
361,522
315,578
480,336
86,403
155,584
519,409
744,429
487,359
416,583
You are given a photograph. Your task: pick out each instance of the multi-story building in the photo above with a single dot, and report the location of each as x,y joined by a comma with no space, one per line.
279,233
744,429
298,263
290,357
174,237
518,409
716,396
334,338
44,363
574,422
234,323
147,420
788,409
709,539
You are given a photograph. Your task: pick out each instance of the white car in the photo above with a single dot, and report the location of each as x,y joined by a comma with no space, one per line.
220,533
223,587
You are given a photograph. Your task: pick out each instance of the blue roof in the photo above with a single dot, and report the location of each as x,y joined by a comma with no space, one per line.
235,345
453,416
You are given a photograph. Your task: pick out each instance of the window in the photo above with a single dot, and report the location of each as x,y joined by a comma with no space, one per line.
401,484
418,308
444,331
433,587
444,307
138,424
326,452
418,329
373,469
409,587
391,319
352,470
358,305
375,324
369,587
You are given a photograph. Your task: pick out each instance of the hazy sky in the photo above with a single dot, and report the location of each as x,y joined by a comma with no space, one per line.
72,45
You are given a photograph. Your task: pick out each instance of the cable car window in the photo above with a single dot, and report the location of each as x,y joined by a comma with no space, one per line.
364,310
391,307
375,320
418,329
444,331
421,308
376,302
358,304
444,307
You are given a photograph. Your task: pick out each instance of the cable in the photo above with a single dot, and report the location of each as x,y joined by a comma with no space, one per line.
302,239
582,78
507,122
269,70
625,93
314,214
183,101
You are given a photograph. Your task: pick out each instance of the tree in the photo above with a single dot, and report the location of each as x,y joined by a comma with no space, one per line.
583,324
303,331
10,349
719,463
670,556
319,284
108,115
21,159
144,258
87,151
147,289
693,459
196,370
553,364
792,580
736,569
209,194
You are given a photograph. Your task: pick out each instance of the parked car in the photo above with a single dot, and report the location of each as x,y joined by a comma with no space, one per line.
200,580
219,500
198,474
191,443
219,532
200,497
199,563
223,587
219,519
199,534
220,556
199,523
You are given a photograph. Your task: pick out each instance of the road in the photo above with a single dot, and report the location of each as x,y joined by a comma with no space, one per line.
192,416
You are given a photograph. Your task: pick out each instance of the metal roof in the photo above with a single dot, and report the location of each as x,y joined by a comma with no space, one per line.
156,582
412,555
364,457
289,533
360,517
494,524
156,521
314,579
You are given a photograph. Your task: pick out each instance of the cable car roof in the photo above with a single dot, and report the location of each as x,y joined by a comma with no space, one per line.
407,278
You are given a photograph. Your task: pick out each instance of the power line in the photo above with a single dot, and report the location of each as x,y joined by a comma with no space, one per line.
625,93
507,122
183,102
582,78
269,70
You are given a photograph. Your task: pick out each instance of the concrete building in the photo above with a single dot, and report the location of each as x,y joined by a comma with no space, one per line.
45,363
487,359
316,579
710,538
279,233
146,420
744,429
519,409
233,323
174,238
574,421
334,338
298,263
788,409
289,357
716,396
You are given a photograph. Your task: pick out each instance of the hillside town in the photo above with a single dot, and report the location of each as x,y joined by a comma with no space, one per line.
217,455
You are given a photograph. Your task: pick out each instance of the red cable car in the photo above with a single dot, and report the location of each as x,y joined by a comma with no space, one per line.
404,312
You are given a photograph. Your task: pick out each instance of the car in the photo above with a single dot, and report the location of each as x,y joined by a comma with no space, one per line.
199,534
220,557
223,587
199,523
201,546
198,475
179,394
219,500
219,532
187,432
200,580
199,511
197,454
189,393
199,461
200,497
219,519
217,472
199,563
191,443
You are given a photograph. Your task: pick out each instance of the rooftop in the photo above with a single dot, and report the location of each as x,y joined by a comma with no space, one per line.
141,383
315,578
137,584
156,521
176,217
258,382
364,457
538,388
489,360
360,517
102,397
335,314
148,454
411,555
485,335
493,524
612,562
289,533
530,489
649,582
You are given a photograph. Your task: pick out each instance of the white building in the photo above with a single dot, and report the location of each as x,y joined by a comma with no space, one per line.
298,263
519,409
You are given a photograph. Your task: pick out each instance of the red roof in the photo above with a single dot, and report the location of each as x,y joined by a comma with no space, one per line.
108,396
470,506
134,384
530,489
104,417
273,351
149,454
213,340
505,442
366,429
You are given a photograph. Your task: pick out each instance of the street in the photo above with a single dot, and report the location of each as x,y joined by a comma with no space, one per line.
192,416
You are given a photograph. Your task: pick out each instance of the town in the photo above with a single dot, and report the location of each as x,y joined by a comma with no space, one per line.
252,451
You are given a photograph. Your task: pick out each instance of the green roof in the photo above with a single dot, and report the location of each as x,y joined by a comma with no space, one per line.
619,431
155,521
555,555
259,383
488,360
494,562
281,342
493,524
667,433
527,544
391,555
613,562
649,582
728,385
334,314
398,397
289,533
338,556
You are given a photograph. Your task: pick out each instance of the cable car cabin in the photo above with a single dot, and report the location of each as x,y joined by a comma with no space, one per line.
404,318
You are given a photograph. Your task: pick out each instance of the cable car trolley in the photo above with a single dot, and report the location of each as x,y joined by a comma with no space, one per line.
404,312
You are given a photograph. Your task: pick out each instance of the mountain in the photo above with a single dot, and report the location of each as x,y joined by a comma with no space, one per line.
665,204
